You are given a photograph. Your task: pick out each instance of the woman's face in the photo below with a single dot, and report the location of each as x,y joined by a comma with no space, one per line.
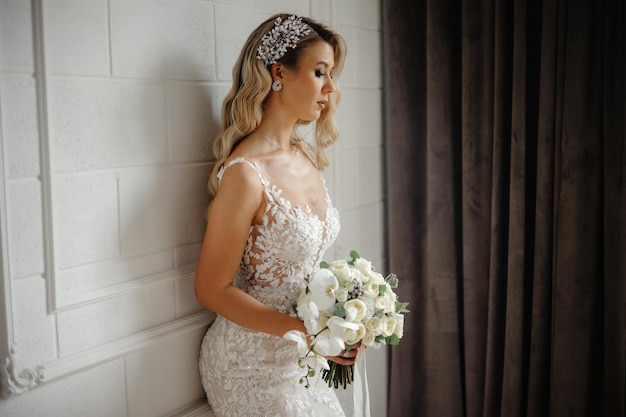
306,90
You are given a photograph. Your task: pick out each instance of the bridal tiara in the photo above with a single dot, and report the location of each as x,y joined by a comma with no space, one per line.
285,34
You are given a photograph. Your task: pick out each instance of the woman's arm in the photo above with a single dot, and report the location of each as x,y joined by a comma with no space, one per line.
233,210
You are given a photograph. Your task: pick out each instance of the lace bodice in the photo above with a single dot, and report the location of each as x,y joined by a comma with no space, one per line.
287,245
247,373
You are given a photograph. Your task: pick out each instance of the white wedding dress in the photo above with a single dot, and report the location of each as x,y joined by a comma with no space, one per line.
247,373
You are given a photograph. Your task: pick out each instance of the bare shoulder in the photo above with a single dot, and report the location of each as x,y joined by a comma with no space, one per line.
240,176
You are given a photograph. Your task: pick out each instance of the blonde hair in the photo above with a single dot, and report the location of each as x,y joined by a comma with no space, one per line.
242,109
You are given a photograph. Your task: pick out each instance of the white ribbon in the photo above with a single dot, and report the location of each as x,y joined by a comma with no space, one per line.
360,390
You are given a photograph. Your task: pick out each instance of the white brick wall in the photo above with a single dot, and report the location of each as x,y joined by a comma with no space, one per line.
106,112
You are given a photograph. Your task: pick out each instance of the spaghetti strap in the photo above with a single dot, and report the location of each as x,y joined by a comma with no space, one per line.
238,160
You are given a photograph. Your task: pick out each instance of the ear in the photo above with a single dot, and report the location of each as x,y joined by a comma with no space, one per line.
278,71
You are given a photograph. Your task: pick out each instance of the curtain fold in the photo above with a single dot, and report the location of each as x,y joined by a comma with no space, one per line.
506,158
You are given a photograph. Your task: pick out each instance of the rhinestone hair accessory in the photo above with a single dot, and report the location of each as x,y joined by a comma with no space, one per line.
285,34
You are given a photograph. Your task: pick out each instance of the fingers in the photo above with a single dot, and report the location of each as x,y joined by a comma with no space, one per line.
343,361
347,357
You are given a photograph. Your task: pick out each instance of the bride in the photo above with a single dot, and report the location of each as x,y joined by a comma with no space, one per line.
270,221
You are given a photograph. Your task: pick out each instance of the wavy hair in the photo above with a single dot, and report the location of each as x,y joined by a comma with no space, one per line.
242,110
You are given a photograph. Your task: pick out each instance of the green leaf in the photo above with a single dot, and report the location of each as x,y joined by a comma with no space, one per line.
339,311
380,339
324,265
401,307
354,254
379,313
382,288
393,340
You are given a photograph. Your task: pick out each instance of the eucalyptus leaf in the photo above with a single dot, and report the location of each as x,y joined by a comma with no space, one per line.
339,311
401,307
382,288
393,340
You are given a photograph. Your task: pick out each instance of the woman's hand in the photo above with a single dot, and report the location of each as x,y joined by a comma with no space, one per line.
347,357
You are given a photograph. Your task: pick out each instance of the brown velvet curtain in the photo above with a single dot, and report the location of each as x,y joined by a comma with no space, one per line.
506,156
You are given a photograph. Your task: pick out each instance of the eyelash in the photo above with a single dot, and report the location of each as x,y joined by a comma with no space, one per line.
320,74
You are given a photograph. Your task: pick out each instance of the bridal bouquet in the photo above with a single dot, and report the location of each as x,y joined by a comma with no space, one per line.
344,303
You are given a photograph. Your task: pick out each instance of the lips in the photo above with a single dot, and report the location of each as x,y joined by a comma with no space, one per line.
322,104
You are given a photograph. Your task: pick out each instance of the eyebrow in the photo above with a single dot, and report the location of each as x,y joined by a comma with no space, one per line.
323,63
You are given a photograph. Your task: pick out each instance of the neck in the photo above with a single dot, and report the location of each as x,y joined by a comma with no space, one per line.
277,123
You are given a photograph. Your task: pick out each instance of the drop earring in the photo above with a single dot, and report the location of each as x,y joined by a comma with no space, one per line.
277,85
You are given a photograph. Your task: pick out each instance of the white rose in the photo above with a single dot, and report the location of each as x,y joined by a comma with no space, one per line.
355,310
387,302
363,265
358,275
342,295
359,334
369,339
399,329
373,325
370,290
377,278
389,325
341,270
371,308
349,285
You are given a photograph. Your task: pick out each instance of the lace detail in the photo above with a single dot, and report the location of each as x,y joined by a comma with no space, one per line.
248,373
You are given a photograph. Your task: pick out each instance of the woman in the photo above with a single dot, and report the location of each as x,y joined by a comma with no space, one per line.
270,221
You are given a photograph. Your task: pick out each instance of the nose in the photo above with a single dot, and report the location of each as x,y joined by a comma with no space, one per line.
329,85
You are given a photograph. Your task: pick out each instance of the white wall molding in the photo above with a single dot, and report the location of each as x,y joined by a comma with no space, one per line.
17,381
119,348
88,297
197,409
44,152
12,381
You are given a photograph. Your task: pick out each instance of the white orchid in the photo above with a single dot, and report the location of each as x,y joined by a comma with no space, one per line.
345,330
308,311
323,285
300,338
314,361
328,344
